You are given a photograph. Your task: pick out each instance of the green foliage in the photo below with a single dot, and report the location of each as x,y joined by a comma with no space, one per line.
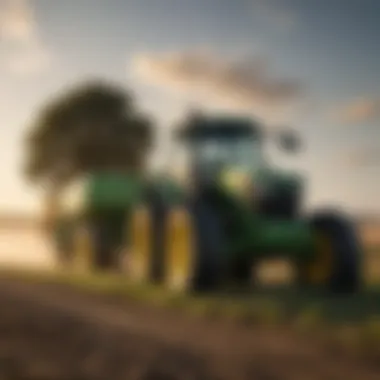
93,126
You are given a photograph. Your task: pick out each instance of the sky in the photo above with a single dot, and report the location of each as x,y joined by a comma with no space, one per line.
312,65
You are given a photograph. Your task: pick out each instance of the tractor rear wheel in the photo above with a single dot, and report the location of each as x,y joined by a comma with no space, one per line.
147,241
158,210
337,265
140,244
194,255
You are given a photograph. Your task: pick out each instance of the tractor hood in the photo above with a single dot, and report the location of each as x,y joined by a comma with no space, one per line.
262,183
278,193
261,186
270,180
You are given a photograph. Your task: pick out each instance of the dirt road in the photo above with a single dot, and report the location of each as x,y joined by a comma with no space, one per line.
52,332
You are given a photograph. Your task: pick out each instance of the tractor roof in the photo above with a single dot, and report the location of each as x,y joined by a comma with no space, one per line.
201,127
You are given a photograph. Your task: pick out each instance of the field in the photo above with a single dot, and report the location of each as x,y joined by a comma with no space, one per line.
108,328
87,328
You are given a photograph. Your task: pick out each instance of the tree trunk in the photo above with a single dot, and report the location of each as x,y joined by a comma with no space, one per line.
51,206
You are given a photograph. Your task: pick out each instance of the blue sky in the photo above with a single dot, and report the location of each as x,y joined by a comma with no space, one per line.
328,49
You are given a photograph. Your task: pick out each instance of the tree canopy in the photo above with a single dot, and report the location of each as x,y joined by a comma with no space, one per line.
93,126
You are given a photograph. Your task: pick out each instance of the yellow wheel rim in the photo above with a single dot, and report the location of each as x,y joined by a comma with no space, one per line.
140,244
83,249
180,247
319,271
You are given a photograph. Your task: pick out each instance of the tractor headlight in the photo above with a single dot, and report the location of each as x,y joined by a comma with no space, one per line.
237,181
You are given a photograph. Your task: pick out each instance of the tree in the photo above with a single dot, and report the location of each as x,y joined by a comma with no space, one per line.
93,126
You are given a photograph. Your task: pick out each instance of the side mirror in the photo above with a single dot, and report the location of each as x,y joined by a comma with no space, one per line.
289,141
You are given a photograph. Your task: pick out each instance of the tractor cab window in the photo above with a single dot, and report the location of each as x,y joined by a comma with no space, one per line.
218,143
239,152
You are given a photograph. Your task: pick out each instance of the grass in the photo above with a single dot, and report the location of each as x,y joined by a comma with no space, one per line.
349,321
281,304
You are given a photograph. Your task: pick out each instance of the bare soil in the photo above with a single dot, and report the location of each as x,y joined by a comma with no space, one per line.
51,332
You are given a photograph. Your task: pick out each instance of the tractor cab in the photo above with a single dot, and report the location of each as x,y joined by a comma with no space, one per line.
221,146
227,152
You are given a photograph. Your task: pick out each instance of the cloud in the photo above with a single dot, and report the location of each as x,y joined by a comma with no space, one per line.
274,14
362,110
17,21
242,84
23,51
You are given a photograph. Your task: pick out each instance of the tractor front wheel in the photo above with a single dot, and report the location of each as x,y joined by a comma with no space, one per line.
337,262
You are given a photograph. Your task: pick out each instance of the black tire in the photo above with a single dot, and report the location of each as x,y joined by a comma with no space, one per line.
158,210
345,275
209,261
200,252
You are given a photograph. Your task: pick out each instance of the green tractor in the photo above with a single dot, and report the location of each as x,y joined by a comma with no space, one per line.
231,211
209,229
